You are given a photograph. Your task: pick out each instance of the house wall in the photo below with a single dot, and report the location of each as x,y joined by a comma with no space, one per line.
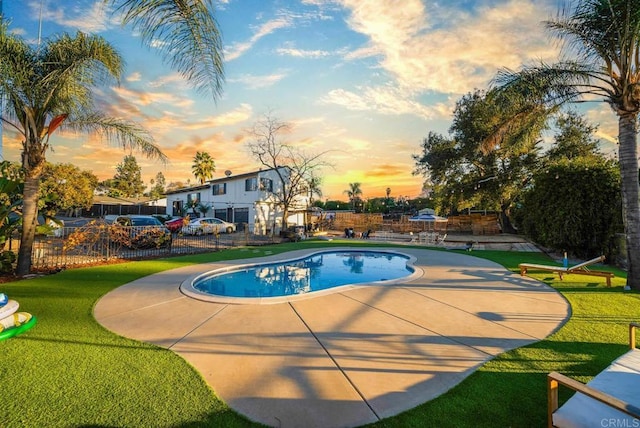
254,209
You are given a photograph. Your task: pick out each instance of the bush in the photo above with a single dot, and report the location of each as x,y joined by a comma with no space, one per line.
7,260
574,206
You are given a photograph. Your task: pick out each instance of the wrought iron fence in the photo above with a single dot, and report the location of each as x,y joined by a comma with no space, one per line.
93,244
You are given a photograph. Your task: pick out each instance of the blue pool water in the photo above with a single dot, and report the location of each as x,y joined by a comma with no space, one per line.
316,272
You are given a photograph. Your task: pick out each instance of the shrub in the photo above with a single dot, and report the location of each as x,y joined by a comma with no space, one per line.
574,206
7,260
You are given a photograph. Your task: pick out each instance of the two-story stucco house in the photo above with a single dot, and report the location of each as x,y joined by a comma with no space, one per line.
249,200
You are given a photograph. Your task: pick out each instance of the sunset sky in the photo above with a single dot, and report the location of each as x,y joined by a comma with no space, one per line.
363,80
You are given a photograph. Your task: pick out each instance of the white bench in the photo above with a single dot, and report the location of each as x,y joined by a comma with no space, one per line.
611,399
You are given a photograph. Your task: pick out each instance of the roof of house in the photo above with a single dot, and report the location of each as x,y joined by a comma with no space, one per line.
188,189
104,199
220,180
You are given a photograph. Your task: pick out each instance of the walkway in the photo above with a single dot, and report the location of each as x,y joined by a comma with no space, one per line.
347,358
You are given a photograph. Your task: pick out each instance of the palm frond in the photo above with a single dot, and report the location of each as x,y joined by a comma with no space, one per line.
17,70
185,31
606,35
129,135
552,84
598,30
72,67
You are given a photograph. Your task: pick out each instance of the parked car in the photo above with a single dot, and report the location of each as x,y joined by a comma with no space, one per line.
163,217
140,231
175,224
207,225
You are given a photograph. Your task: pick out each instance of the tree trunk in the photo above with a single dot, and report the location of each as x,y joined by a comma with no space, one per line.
285,214
505,221
29,222
628,155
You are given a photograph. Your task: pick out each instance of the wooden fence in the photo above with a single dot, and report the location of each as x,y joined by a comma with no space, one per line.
476,224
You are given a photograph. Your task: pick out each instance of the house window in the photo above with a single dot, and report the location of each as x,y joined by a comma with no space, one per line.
266,184
219,189
177,208
251,184
193,197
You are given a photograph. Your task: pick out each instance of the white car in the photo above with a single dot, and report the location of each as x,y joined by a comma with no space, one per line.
208,225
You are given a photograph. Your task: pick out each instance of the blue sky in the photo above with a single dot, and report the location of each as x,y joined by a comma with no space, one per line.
363,80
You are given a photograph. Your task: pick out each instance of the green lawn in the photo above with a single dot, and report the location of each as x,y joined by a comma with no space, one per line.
69,371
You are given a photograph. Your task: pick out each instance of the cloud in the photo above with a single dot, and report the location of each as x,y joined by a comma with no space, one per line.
301,53
145,98
607,131
364,52
174,82
92,19
103,157
238,49
423,51
376,178
357,144
258,82
386,170
11,140
134,77
233,117
438,48
388,99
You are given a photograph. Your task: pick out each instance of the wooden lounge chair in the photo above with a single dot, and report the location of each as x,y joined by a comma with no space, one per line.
579,269
609,399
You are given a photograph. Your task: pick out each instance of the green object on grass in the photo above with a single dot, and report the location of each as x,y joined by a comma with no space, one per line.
19,329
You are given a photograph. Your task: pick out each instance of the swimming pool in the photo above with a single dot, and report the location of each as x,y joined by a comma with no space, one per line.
312,273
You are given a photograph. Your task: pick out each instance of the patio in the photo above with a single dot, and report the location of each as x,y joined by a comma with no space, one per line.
347,358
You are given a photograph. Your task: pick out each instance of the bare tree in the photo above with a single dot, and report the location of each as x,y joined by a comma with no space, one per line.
295,168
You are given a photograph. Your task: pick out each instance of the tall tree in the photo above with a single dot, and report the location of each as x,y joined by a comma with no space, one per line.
353,193
574,203
488,159
203,167
314,188
187,34
53,86
66,187
158,186
294,167
574,138
603,38
128,178
175,185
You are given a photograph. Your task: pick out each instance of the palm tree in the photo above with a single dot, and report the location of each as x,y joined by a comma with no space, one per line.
604,36
314,183
353,192
203,166
185,31
50,87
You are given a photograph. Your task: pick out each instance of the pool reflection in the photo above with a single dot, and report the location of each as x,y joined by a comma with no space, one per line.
317,272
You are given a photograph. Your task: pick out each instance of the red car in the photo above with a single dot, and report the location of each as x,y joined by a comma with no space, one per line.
175,224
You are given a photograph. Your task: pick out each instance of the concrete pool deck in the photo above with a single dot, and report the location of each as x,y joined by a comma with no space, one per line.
348,358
